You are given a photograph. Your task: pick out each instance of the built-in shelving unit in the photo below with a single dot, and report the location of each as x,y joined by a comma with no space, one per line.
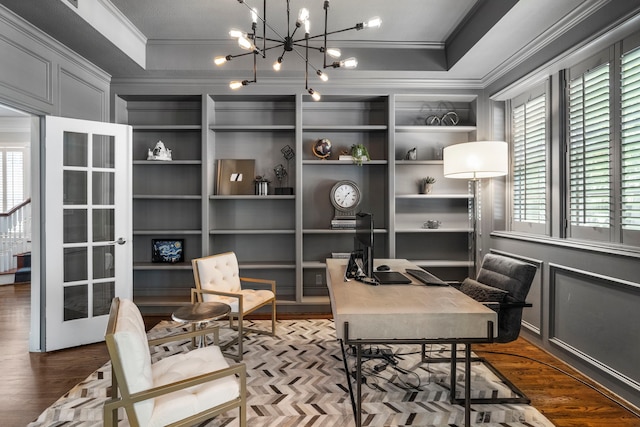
445,251
288,237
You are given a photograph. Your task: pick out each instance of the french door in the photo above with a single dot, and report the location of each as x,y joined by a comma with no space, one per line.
87,228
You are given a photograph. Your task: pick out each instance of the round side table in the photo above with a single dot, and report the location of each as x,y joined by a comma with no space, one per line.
200,313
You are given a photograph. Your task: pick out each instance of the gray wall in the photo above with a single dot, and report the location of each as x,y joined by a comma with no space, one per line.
40,76
585,297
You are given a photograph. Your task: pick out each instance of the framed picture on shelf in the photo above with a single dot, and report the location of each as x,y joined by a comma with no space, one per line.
235,176
169,251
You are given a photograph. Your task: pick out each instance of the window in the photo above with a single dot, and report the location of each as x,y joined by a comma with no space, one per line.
630,140
603,147
12,183
589,150
529,161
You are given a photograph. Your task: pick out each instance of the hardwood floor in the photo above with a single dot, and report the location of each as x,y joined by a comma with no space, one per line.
33,381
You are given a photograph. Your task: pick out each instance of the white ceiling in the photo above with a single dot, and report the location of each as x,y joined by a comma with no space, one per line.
435,39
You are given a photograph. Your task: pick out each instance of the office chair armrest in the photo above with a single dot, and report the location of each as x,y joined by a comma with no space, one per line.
497,306
260,282
515,304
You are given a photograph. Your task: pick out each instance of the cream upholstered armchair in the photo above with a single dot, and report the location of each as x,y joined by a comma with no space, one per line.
179,390
218,279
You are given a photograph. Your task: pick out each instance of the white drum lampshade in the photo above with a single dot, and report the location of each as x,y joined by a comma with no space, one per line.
476,160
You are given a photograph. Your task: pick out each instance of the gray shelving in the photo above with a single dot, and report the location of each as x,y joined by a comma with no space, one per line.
288,237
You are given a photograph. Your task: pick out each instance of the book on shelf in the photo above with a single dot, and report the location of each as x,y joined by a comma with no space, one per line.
343,223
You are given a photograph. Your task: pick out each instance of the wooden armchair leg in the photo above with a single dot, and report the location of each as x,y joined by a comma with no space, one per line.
240,337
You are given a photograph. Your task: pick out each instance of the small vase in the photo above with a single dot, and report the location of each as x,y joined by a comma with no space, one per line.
425,188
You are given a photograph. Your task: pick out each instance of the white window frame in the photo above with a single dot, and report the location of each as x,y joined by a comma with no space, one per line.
615,232
524,222
4,150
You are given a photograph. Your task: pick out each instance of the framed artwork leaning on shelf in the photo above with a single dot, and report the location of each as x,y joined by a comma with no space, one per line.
168,251
235,176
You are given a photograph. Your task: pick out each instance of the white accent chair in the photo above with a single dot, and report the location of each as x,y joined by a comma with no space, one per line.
218,279
180,390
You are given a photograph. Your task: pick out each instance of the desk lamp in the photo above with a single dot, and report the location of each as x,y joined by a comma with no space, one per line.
474,161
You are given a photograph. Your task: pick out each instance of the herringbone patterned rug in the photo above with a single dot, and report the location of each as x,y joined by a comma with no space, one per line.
298,379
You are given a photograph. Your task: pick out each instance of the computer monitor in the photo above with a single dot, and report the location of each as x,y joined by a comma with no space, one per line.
364,241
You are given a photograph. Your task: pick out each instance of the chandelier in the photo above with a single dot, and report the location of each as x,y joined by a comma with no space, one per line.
288,43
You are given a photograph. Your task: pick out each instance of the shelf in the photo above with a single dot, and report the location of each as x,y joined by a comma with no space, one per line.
436,129
338,231
161,266
343,162
154,128
252,231
163,163
434,196
252,128
166,197
252,197
434,230
314,264
267,265
344,128
419,162
166,232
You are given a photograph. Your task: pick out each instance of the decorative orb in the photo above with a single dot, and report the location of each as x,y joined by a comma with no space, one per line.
322,148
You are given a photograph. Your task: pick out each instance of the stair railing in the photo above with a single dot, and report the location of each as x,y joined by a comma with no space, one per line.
15,234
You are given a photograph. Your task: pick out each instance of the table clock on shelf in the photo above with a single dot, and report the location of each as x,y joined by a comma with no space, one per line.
345,198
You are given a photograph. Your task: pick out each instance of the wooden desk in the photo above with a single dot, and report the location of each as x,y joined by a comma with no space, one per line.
405,314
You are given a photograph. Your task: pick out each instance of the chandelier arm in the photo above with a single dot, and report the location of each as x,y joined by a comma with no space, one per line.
319,49
304,59
326,19
306,66
355,27
270,40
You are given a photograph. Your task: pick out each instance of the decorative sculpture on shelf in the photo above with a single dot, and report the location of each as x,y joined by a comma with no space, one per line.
159,152
281,172
412,154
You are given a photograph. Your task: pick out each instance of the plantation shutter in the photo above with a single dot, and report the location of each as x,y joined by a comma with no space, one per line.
12,172
589,152
630,141
530,161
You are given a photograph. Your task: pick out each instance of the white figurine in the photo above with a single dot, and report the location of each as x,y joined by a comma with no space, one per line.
160,152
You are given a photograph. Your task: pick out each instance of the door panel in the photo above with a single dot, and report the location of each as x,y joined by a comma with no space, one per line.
87,213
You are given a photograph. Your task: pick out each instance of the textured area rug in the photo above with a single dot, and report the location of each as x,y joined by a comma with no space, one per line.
298,379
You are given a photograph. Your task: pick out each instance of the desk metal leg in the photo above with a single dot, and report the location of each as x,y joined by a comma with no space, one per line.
359,385
348,375
467,381
452,376
467,385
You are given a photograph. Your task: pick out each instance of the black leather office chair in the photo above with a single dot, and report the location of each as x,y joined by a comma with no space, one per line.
502,284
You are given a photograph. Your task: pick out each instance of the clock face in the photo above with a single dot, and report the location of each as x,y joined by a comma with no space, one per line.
345,195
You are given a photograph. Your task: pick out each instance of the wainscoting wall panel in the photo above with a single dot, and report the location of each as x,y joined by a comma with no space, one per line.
80,98
597,316
39,75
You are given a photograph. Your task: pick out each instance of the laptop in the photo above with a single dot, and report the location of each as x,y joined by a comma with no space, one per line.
391,278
